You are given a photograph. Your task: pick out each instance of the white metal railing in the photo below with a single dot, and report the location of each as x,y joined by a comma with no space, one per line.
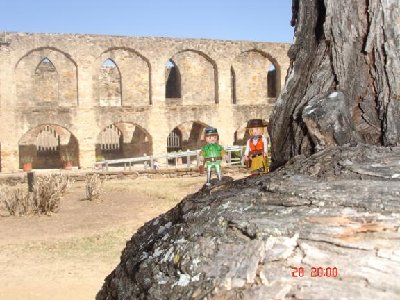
128,162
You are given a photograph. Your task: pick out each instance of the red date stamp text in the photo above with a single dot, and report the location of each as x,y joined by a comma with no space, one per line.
315,272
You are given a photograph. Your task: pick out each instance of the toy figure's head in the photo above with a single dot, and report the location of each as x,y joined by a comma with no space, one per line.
211,135
256,127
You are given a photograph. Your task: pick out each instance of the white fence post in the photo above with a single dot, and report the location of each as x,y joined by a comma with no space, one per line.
188,162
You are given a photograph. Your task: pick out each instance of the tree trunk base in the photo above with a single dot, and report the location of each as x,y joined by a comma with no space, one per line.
285,235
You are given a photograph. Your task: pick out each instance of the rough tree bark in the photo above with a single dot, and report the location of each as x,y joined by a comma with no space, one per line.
343,85
248,239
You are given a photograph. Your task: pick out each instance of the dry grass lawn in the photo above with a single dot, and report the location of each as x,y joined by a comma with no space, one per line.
67,255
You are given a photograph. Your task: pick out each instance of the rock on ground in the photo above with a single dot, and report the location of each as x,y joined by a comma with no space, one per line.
267,237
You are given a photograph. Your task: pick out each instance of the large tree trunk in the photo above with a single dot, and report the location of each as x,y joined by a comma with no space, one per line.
343,86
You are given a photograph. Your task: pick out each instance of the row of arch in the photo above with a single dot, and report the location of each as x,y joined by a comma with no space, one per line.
122,77
49,146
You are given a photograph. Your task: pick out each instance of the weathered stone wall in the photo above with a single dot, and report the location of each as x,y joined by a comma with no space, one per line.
197,78
134,76
251,78
60,80
45,77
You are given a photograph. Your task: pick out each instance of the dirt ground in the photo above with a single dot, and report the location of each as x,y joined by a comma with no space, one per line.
67,255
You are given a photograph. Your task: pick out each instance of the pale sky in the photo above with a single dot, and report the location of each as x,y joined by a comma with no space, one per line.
256,20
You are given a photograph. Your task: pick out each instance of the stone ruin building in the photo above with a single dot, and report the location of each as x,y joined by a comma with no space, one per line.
89,97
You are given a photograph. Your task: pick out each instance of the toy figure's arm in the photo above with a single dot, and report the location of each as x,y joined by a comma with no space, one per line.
246,151
201,162
245,158
224,155
265,141
201,157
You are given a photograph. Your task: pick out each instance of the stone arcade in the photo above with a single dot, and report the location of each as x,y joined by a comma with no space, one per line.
88,96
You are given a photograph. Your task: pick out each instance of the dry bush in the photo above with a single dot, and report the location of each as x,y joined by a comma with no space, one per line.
45,198
17,201
47,194
62,183
94,187
48,191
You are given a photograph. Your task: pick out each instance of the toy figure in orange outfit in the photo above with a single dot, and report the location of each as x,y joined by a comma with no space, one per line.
256,153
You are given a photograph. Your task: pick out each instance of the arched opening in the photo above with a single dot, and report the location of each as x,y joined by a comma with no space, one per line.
110,139
48,147
272,81
233,85
191,135
110,84
241,136
173,81
46,83
123,140
186,136
174,140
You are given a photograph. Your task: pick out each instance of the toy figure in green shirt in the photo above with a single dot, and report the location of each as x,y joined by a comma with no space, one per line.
212,153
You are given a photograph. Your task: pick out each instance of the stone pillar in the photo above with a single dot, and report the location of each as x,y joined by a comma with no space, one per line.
158,129
9,157
87,154
225,114
86,129
9,133
158,120
158,81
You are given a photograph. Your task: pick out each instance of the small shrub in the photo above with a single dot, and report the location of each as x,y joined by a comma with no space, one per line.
17,202
94,187
44,199
61,183
48,191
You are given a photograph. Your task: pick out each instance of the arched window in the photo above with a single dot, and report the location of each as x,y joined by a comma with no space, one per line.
173,80
271,81
109,84
233,85
46,82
